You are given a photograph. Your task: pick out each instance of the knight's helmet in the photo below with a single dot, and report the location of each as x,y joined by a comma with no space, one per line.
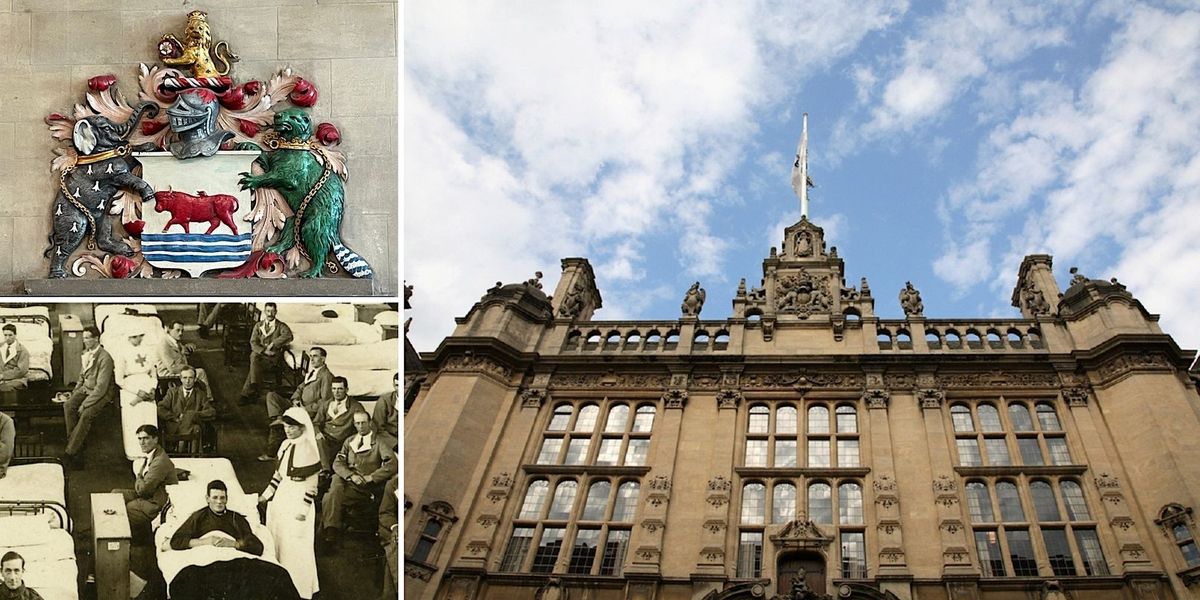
193,118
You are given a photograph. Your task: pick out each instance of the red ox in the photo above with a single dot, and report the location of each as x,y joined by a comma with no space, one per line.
186,208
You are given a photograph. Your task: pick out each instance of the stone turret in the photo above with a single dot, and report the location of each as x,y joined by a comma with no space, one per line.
1036,293
576,297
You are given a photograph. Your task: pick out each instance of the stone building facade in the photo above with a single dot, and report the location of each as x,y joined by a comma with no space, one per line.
49,49
804,447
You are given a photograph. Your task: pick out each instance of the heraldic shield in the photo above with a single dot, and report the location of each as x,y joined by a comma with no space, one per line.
198,220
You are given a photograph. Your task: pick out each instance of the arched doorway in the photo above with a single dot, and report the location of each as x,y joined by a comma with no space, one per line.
792,564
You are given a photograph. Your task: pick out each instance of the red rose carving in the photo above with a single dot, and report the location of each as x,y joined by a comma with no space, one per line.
100,83
234,99
252,87
328,134
134,228
152,127
250,128
304,94
122,267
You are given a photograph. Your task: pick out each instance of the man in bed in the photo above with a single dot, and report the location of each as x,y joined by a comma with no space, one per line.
197,530
335,421
311,394
267,343
12,568
14,361
387,412
362,467
94,390
185,406
155,472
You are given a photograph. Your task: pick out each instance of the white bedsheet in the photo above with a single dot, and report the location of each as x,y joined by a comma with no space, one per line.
134,415
28,311
50,567
204,470
342,333
36,339
376,356
102,311
40,481
366,383
295,313
171,562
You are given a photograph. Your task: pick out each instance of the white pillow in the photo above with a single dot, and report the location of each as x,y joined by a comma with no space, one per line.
24,530
186,497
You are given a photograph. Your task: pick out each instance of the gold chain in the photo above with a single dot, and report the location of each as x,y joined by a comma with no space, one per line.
62,185
328,168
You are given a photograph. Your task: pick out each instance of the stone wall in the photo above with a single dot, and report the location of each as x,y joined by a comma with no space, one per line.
49,48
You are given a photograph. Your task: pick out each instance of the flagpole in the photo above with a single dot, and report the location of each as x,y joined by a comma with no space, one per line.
800,170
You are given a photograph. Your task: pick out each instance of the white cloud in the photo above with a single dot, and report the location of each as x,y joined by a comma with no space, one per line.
537,130
948,54
1106,177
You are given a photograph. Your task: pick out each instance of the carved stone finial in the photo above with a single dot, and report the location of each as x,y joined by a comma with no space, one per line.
536,282
693,301
910,301
1077,277
741,288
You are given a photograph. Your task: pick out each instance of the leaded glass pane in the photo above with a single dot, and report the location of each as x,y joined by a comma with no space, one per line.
547,550
564,499
1077,509
847,453
754,504
1047,418
756,453
850,504
818,419
586,421
820,503
597,501
1059,552
583,552
1044,503
847,419
618,416
785,419
968,452
1010,503
991,560
979,503
535,497
626,502
960,416
1020,551
785,453
1089,548
1031,452
1019,415
783,503
997,452
989,418
818,453
760,420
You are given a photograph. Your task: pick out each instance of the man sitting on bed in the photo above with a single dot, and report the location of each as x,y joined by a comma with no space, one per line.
173,354
311,394
335,421
185,405
14,361
149,494
12,568
93,391
200,528
387,412
268,340
362,467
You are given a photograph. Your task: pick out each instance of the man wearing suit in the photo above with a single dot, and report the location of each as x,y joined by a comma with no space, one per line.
387,413
267,343
92,393
14,361
154,473
173,354
361,468
311,394
335,421
185,405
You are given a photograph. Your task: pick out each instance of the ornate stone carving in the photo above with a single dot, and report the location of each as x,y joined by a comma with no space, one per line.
1125,363
945,484
648,553
930,398
706,381
469,363
955,555
553,589
417,570
802,294
876,399
478,547
653,525
801,534
910,301
675,398
1104,481
728,398
802,380
573,302
719,484
1075,395
1125,523
952,526
1033,300
714,526
609,380
891,555
884,484
660,490
998,378
660,483
503,480
486,521
531,398
693,301
713,554
888,526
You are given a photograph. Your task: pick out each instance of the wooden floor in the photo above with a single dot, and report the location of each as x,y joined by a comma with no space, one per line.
353,571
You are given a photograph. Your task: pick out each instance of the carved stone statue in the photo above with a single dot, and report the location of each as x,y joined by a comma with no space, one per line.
910,301
693,301
803,244
741,288
536,282
572,305
1034,300
1077,277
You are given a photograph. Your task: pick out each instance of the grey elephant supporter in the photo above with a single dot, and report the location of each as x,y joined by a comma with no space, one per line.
86,190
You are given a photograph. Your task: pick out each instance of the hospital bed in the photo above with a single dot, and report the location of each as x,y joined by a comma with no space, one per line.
35,524
33,331
116,324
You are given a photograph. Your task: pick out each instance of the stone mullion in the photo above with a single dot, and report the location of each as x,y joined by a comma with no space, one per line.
645,541
890,550
493,505
1116,510
956,556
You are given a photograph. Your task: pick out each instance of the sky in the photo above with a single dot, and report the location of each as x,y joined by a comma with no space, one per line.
946,142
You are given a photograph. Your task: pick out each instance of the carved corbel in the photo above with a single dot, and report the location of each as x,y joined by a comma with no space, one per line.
930,398
533,398
729,398
876,399
674,398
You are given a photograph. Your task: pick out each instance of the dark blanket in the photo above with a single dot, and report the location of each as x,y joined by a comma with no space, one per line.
239,579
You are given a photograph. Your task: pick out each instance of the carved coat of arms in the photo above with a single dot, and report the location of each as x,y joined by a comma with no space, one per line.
203,175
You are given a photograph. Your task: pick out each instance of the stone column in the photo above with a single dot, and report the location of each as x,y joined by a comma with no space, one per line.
956,557
892,561
647,538
717,500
